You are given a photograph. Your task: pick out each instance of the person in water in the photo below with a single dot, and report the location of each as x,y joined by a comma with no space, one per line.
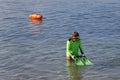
73,46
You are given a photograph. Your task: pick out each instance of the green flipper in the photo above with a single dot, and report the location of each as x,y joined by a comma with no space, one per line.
86,61
82,61
79,62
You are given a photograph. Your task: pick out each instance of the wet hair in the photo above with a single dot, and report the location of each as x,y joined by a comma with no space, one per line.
75,34
70,38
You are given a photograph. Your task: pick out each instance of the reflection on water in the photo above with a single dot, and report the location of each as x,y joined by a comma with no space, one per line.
35,29
36,21
74,71
21,40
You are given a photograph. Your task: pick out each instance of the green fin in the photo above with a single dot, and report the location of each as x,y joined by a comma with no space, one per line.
82,61
79,62
86,61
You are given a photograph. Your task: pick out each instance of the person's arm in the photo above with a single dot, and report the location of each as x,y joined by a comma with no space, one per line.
81,48
68,50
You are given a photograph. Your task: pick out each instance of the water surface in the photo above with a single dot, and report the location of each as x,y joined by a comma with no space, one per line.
30,51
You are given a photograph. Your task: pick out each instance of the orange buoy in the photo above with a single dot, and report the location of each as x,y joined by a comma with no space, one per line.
36,16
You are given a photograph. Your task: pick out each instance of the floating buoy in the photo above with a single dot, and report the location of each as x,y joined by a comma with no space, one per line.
35,16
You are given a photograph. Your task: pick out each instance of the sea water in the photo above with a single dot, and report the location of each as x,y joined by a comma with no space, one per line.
30,51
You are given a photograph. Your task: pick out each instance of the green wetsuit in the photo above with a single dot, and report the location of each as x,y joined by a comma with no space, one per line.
72,47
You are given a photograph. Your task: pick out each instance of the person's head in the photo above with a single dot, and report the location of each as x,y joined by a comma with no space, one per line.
74,36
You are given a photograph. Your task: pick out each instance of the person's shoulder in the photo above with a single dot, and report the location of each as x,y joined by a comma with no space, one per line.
68,41
79,40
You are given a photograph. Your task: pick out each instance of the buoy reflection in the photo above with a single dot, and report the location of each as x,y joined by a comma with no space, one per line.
35,29
37,21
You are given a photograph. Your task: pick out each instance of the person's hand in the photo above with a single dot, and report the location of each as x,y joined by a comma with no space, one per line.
73,57
83,55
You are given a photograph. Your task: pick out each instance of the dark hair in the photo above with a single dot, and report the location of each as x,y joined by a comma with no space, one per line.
75,34
70,38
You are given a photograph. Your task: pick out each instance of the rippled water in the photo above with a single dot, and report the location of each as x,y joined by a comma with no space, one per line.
30,51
